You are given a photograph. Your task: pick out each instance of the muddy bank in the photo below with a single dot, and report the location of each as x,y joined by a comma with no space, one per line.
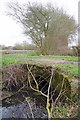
17,81
16,76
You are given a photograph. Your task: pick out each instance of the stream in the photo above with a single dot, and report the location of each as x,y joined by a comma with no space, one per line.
22,111
17,107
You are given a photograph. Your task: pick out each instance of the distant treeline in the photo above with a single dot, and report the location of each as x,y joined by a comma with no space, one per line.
19,46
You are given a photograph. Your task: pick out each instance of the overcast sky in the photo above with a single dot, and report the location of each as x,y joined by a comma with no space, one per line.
11,32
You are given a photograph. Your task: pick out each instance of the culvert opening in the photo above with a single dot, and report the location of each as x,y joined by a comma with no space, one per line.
38,77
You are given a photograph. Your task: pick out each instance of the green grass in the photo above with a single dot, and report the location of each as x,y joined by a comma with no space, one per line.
70,68
8,61
35,55
15,58
18,58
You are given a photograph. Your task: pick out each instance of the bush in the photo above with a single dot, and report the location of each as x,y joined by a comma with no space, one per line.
76,50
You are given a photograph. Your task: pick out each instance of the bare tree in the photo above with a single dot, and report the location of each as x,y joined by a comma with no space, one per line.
48,27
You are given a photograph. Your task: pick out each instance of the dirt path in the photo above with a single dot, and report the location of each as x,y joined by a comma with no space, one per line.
47,61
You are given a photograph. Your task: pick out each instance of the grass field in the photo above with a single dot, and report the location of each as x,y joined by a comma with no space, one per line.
7,59
34,55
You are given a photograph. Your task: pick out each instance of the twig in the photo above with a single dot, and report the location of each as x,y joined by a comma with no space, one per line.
48,104
33,77
60,91
30,108
37,90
